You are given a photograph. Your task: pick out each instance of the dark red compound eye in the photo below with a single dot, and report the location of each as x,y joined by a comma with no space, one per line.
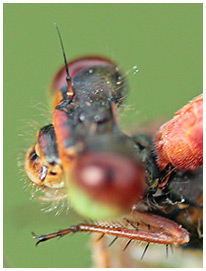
106,184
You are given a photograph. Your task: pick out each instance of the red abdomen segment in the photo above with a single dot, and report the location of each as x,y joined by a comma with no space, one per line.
179,142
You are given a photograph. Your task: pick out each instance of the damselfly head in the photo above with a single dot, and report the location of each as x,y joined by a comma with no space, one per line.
42,164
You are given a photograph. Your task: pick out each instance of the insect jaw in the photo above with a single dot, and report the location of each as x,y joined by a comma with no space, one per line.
42,173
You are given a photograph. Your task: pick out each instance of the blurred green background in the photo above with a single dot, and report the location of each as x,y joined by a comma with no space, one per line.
164,41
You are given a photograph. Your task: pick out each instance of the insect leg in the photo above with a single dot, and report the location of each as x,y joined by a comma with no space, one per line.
100,251
164,231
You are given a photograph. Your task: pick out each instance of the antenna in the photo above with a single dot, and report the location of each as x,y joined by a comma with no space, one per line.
70,92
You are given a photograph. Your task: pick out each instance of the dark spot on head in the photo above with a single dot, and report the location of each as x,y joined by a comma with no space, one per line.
53,163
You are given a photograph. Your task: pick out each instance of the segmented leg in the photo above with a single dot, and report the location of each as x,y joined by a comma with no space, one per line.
138,226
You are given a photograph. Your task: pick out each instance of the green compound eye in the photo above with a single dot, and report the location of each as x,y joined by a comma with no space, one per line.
105,185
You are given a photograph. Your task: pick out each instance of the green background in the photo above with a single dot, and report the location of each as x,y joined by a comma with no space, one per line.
163,40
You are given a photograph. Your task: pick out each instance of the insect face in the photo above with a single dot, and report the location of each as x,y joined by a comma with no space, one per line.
42,164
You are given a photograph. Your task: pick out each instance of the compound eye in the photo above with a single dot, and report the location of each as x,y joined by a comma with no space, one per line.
105,185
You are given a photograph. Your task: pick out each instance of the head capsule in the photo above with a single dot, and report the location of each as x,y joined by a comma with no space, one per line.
42,164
